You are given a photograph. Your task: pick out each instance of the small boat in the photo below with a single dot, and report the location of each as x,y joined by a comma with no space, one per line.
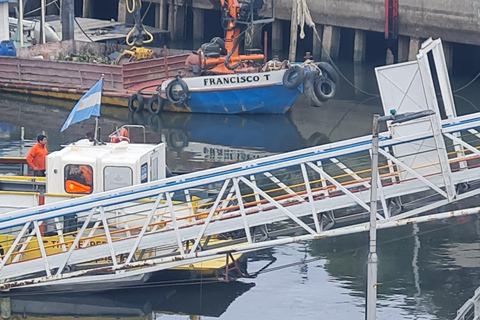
218,79
89,166
270,88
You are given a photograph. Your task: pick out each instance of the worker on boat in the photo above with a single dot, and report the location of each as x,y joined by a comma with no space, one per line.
36,156
79,179
87,174
120,135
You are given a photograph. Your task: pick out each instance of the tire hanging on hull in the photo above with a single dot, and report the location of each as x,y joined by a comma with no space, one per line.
177,98
309,88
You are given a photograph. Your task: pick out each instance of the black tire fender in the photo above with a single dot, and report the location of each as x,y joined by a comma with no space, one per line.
136,118
155,122
293,77
136,97
177,139
309,88
155,100
328,71
324,88
182,97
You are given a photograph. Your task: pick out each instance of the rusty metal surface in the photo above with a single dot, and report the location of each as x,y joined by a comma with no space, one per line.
72,74
143,71
76,77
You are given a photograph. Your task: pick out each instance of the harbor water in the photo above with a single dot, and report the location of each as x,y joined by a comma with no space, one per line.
425,271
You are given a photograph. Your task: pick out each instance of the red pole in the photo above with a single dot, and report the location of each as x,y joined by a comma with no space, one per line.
395,19
387,3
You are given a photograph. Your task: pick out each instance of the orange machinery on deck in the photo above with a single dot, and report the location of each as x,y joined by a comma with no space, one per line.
236,16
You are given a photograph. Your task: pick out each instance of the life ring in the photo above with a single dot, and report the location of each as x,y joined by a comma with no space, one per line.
155,100
328,71
309,88
324,88
177,98
121,136
293,77
136,97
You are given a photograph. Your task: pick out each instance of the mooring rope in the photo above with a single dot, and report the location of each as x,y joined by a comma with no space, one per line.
304,16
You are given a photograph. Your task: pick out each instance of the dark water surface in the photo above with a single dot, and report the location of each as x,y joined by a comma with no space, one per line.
425,272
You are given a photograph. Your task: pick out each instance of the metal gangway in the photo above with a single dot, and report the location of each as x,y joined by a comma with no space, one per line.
126,235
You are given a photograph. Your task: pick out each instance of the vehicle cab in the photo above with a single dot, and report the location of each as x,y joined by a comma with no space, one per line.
85,167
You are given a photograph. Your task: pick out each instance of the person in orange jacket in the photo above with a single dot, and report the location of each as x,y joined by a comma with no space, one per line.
36,156
87,174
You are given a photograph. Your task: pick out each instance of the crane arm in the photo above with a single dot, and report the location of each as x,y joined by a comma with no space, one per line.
135,36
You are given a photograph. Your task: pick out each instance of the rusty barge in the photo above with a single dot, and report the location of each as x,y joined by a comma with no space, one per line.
35,71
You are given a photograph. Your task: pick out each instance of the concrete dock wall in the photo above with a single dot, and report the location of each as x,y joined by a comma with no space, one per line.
455,21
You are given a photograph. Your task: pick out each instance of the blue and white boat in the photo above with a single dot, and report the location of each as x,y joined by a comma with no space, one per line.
241,93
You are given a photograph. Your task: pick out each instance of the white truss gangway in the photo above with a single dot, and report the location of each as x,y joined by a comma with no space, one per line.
127,234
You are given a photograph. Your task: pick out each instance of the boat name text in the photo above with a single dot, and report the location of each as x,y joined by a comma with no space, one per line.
234,79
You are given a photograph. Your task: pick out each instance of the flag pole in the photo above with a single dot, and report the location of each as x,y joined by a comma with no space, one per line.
96,118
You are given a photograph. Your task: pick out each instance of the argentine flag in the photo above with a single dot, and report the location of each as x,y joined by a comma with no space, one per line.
87,106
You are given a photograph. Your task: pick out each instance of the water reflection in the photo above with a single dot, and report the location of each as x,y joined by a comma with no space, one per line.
206,140
205,299
429,268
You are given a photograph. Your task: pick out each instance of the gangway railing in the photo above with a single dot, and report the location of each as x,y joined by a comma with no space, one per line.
471,308
126,235
134,231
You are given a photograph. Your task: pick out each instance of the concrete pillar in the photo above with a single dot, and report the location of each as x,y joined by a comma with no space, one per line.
448,52
68,29
4,29
360,45
277,37
178,22
331,42
198,26
122,11
161,15
88,8
171,17
413,49
317,43
403,47
390,58
5,304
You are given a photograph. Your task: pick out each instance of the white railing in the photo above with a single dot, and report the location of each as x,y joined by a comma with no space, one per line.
184,219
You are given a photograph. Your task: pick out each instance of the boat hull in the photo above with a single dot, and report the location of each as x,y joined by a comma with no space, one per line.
252,93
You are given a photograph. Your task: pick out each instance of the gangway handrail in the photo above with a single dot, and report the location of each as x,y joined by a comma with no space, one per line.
232,210
222,173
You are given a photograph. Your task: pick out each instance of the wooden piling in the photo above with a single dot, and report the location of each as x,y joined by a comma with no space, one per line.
413,49
162,24
171,17
331,43
317,43
293,33
198,25
359,47
448,52
277,37
87,8
402,50
122,11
